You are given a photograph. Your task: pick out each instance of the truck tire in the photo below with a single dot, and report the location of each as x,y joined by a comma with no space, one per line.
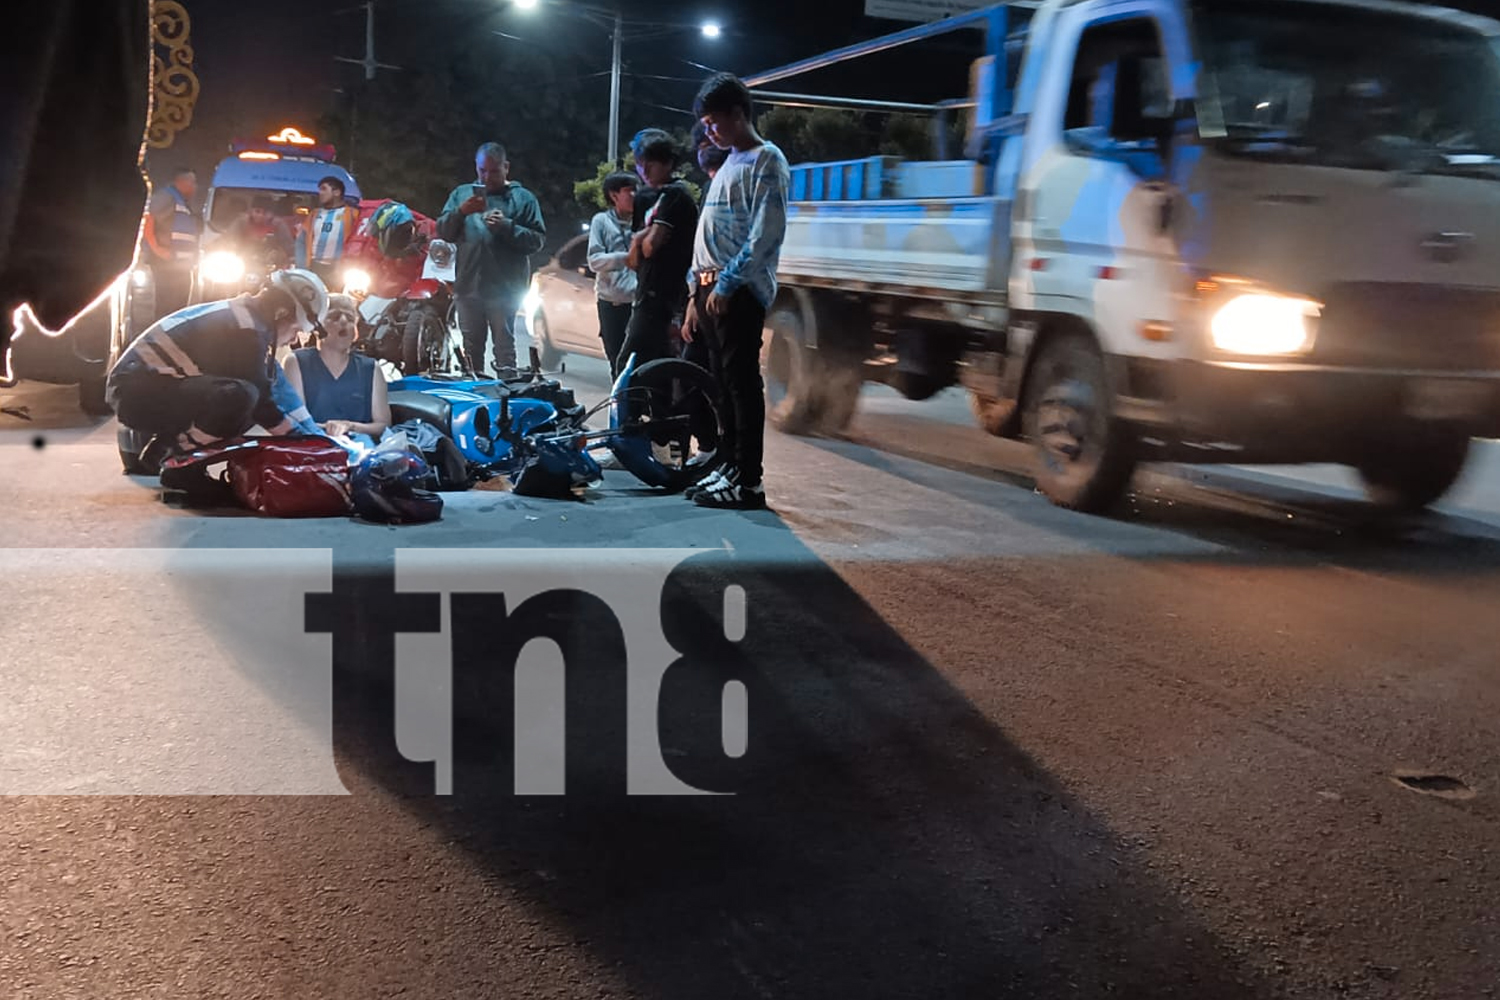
809,390
841,384
1085,455
1407,475
791,373
995,415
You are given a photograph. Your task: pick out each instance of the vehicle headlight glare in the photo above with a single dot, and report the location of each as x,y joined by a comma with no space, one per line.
223,268
533,300
1259,323
356,281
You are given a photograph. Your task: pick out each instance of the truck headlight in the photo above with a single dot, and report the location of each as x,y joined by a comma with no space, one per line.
1264,323
223,268
356,282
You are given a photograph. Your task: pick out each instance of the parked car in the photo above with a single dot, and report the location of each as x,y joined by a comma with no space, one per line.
559,311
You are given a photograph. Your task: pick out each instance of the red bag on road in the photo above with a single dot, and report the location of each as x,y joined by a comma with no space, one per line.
294,476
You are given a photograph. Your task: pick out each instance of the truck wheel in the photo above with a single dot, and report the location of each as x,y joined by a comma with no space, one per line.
1084,454
790,374
993,413
1409,475
91,397
841,384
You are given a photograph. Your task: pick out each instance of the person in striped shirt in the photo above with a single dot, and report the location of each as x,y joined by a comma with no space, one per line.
326,232
733,283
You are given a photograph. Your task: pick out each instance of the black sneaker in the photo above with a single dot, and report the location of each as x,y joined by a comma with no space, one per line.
729,495
725,473
156,452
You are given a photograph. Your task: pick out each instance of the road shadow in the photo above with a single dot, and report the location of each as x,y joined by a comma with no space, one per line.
1243,519
882,838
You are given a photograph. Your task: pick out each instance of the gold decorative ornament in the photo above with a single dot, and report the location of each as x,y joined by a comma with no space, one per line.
174,84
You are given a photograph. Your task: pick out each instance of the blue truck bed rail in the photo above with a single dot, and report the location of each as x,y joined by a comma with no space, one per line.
884,177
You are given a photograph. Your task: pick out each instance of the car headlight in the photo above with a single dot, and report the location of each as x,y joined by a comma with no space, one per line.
223,268
1261,323
533,300
356,282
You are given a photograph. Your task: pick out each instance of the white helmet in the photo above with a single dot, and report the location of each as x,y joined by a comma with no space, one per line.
309,292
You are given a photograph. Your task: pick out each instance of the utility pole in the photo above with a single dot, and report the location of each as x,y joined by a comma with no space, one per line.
370,66
614,96
368,62
370,40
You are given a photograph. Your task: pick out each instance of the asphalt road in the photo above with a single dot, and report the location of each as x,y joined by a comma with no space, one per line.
994,748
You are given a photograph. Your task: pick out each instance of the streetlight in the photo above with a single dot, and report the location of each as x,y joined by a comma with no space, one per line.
615,25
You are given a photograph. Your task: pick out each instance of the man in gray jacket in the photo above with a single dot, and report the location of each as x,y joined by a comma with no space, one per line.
497,225
609,249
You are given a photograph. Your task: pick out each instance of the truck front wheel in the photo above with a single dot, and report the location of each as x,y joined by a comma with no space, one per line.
1085,456
1409,474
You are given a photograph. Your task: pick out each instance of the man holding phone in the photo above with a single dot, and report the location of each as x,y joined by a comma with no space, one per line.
497,226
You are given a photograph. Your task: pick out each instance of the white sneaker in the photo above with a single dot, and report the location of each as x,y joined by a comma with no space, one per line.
712,481
703,457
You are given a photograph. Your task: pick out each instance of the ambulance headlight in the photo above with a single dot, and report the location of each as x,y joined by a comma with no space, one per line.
223,268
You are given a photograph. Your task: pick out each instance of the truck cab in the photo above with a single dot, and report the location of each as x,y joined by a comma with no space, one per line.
1257,231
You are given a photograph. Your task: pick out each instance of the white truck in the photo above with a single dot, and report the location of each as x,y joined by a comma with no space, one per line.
1250,231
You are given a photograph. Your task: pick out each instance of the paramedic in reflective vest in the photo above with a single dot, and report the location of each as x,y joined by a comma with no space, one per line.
206,372
326,232
172,235
344,390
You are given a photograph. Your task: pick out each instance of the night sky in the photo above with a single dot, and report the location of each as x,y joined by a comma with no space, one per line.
271,63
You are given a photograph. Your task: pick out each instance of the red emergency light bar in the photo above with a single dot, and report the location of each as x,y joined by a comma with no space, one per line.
287,144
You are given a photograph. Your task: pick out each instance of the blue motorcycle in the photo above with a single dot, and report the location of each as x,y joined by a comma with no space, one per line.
663,422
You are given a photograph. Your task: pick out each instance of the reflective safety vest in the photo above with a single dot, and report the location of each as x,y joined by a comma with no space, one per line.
184,230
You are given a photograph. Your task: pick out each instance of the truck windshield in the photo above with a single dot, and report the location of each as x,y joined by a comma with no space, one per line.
1344,86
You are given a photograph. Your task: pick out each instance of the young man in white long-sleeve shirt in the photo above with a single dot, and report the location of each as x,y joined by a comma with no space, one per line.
609,251
733,283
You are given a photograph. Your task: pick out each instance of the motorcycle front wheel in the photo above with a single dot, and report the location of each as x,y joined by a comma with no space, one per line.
670,437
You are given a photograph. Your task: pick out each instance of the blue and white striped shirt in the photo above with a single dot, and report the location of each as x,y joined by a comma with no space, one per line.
743,222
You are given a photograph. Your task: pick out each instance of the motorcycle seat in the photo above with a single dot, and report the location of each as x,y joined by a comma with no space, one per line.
408,404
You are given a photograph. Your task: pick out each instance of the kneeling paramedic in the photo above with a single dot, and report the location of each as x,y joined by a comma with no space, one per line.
206,373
